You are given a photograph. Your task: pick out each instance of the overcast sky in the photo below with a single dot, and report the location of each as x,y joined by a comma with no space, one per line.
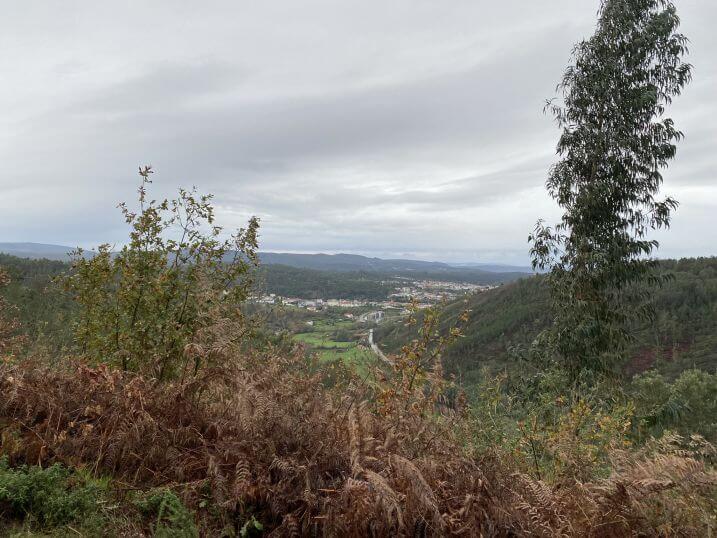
389,128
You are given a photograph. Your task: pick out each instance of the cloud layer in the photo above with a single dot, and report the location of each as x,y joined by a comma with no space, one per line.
400,128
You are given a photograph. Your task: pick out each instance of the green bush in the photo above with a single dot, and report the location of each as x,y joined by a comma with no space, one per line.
171,518
688,405
49,497
549,428
153,305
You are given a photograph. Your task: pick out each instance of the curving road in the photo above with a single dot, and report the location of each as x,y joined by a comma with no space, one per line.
376,349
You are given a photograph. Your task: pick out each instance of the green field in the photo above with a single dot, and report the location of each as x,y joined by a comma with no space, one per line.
321,341
321,338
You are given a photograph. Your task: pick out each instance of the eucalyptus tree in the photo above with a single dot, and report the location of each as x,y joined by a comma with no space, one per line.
615,143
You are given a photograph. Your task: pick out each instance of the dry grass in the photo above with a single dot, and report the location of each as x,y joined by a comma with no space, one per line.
268,439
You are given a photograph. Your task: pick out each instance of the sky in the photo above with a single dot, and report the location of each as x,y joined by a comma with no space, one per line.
395,129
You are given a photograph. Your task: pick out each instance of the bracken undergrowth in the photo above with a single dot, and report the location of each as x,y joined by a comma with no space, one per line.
265,444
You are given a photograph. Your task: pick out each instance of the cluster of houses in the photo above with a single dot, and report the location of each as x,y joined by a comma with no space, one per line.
434,291
312,304
425,292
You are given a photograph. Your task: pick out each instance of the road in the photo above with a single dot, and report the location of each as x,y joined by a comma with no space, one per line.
376,349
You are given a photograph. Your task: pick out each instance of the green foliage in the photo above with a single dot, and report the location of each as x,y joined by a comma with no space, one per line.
556,428
50,497
312,284
380,269
682,335
417,379
549,428
343,335
497,320
170,517
252,527
687,405
549,441
337,344
141,307
44,311
9,326
614,144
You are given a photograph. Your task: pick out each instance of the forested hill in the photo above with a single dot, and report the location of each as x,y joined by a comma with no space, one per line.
36,251
31,276
311,284
336,263
683,335
356,263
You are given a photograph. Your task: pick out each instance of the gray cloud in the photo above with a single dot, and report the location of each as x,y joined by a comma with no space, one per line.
408,127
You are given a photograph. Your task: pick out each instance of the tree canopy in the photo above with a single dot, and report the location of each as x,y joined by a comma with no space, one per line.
614,145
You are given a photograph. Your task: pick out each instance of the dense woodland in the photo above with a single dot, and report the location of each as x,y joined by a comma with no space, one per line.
142,395
683,334
45,310
312,284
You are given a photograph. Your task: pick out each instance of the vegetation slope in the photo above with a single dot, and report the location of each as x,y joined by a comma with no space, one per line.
501,321
172,412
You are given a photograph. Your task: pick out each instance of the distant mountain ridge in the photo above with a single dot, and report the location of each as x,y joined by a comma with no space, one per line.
319,262
356,262
347,262
494,267
36,250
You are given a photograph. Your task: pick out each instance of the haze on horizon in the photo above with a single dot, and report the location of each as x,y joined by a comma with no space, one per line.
413,129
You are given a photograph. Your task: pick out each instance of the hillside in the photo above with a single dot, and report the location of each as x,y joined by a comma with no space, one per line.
335,263
684,333
495,267
174,378
36,251
43,309
354,262
313,284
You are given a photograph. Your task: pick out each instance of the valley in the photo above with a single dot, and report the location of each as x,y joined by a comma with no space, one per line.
335,277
